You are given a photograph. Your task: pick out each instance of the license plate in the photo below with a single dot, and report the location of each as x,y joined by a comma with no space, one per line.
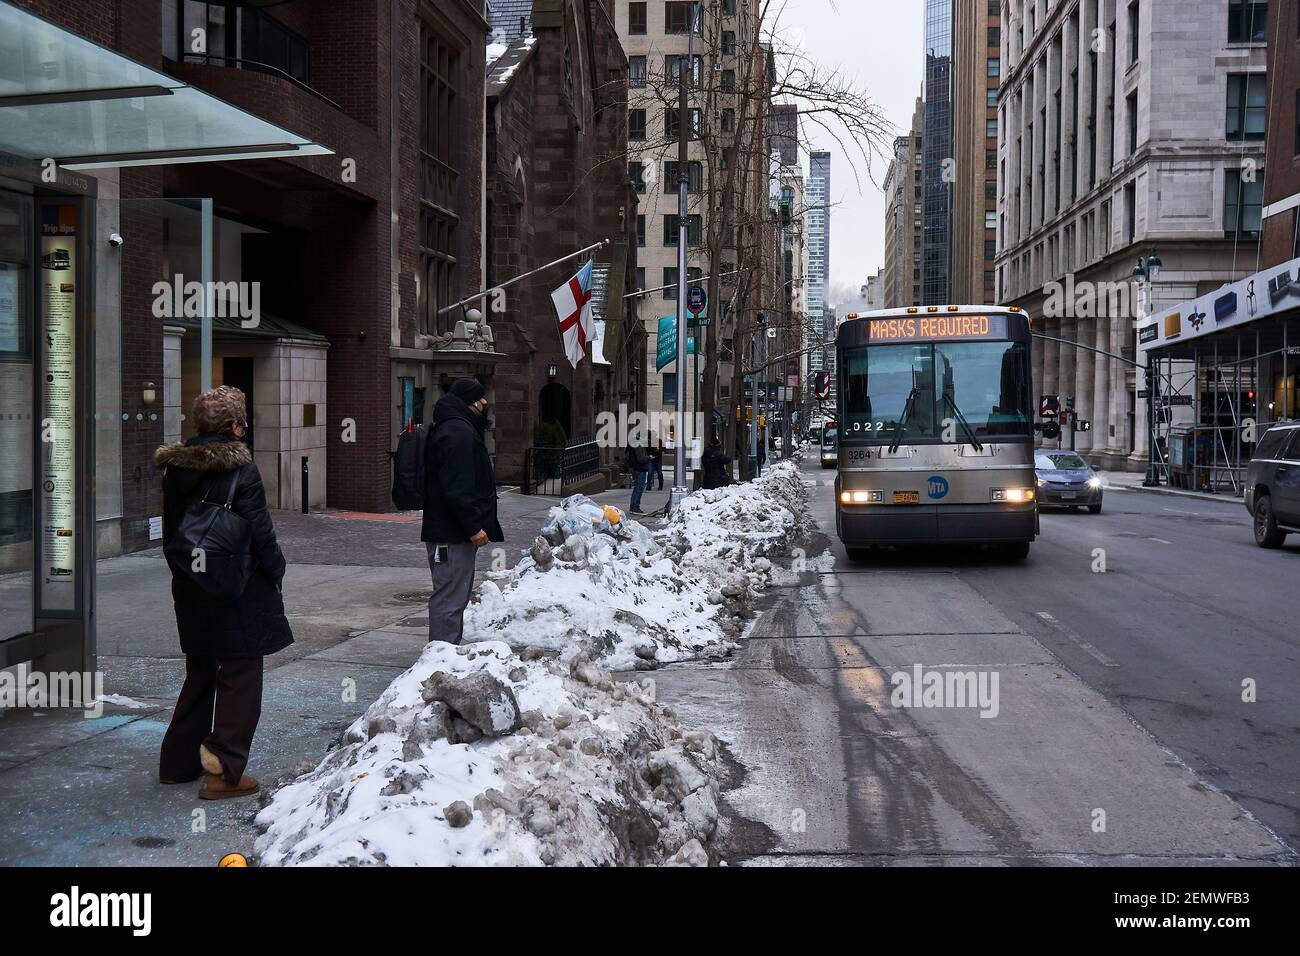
907,497
1068,495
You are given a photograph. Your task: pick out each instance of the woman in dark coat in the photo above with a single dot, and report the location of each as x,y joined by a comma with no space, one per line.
224,641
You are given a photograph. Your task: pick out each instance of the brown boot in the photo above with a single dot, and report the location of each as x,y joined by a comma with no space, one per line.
214,787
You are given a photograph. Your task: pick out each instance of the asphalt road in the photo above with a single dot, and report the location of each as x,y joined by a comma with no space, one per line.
1120,734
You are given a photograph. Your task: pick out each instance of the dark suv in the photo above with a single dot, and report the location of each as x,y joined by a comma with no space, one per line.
1273,485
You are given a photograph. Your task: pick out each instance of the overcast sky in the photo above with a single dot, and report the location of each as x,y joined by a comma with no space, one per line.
879,42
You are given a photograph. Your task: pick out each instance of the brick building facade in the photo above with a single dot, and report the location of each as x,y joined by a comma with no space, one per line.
557,182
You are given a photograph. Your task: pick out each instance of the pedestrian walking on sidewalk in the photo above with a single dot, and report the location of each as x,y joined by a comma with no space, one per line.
638,461
656,451
224,639
460,504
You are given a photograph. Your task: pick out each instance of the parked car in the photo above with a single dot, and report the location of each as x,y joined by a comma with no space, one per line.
1065,480
1273,485
830,447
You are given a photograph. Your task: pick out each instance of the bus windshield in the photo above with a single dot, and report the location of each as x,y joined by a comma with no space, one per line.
919,391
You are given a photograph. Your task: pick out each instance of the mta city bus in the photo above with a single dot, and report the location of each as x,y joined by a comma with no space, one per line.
936,441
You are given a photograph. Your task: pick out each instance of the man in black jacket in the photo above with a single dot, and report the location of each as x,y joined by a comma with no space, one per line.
715,465
460,504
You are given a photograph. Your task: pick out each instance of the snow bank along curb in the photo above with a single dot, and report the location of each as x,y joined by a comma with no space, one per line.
475,756
599,583
478,755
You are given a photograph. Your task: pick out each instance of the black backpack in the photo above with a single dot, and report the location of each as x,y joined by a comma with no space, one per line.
219,540
408,468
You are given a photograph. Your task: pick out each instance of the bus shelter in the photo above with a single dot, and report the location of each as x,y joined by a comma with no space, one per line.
71,113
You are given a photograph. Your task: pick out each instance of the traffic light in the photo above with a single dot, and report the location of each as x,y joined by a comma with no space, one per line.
1083,425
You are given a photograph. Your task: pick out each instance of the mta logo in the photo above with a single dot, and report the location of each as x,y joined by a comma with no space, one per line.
938,486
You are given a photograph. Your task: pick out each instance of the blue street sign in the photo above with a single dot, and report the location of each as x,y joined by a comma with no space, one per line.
696,300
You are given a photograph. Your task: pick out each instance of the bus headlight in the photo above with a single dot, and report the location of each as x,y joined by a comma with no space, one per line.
861,497
1012,495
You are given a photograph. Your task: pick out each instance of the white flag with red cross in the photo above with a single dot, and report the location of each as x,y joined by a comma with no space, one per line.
573,308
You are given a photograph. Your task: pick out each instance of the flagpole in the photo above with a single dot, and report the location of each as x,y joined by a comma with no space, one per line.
501,285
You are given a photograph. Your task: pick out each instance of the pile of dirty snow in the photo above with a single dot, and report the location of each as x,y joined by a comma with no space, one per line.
478,757
596,582
741,535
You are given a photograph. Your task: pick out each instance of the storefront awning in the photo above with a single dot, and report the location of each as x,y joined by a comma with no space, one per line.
85,106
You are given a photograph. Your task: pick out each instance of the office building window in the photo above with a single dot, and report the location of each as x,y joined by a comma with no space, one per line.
694,177
635,173
990,219
728,120
1134,18
636,19
640,277
991,97
671,125
677,17
1132,107
1243,202
991,129
670,388
1247,107
636,124
728,81
636,71
994,66
729,8
728,42
692,230
640,230
1247,21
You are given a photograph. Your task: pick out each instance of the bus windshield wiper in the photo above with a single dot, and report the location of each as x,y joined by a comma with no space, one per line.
961,420
903,418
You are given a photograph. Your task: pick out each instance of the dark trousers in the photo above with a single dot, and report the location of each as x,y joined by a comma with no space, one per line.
219,707
656,471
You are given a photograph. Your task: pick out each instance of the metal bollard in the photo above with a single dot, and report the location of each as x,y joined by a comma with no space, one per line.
305,484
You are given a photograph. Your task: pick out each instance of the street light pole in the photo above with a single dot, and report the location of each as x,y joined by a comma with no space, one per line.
683,183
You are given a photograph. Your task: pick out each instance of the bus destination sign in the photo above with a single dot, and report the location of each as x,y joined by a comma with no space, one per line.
921,327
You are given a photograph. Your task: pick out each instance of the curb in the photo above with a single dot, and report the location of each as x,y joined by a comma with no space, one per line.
1177,493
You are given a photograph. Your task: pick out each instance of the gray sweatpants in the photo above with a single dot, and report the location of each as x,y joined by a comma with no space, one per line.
453,580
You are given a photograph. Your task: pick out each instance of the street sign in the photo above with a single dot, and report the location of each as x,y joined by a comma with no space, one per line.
1051,404
694,321
696,300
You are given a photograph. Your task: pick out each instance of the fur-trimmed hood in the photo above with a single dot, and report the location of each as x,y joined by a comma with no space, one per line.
204,454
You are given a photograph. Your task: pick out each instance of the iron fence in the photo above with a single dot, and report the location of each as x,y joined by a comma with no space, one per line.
549,470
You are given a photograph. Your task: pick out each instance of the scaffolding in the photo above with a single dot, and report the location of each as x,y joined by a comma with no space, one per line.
1234,384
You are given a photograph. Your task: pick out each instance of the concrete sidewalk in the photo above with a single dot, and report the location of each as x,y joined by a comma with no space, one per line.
81,791
1132,481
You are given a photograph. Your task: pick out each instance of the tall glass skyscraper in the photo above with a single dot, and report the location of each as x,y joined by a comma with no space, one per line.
818,199
938,165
